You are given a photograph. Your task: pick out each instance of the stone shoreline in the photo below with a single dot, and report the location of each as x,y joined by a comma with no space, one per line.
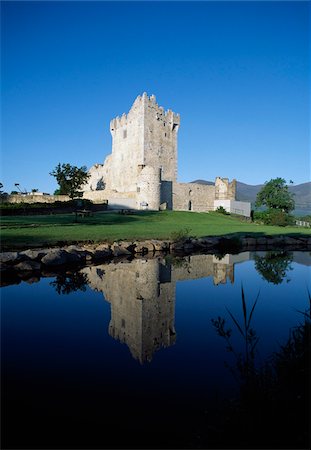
77,255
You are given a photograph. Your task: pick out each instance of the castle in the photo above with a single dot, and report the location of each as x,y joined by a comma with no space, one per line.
141,171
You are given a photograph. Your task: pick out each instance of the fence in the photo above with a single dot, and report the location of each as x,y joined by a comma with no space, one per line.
302,223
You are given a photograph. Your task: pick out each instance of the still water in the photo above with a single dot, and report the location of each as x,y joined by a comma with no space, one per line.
155,353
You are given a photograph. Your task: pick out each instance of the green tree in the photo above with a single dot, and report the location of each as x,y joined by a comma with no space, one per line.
275,195
70,179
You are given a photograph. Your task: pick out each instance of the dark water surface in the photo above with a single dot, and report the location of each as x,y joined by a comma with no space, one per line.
157,353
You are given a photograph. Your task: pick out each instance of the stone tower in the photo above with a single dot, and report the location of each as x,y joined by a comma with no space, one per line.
145,137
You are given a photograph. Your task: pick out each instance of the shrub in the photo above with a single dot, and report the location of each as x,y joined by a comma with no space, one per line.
221,210
274,217
180,235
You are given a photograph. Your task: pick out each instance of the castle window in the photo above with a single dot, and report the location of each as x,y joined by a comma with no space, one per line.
123,323
138,189
165,134
124,134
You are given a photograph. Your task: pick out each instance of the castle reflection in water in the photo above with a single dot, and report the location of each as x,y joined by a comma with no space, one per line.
142,296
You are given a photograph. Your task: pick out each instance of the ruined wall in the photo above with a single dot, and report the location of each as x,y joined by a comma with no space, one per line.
98,177
193,197
225,190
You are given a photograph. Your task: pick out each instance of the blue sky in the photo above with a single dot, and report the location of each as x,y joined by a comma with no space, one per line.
237,72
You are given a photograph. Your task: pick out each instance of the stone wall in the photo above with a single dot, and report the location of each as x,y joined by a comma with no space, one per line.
193,197
225,190
35,198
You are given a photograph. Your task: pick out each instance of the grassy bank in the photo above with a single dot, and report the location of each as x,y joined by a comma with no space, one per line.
51,229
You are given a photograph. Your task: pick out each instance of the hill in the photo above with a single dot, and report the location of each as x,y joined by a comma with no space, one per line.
248,193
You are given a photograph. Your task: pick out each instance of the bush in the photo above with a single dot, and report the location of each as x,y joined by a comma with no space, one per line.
180,235
221,210
274,217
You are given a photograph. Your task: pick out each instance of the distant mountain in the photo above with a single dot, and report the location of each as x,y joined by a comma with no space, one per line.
248,193
210,183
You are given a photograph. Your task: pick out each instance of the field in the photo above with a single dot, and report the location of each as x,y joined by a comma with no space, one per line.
23,231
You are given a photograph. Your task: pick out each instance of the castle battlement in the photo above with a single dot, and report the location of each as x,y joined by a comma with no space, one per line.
140,105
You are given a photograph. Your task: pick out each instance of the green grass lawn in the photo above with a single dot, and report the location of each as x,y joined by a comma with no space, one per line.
23,231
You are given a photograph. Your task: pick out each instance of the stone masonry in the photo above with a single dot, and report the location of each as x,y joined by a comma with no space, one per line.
141,171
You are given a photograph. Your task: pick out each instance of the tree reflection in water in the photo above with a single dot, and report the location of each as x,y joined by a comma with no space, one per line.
273,403
68,282
273,266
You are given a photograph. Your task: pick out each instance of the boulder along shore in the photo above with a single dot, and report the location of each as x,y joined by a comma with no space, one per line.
36,259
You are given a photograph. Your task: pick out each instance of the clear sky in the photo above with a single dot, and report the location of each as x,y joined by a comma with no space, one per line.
237,72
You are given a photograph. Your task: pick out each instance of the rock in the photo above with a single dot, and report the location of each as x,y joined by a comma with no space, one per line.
28,265
82,253
34,254
4,267
249,242
74,249
144,247
100,255
303,240
123,245
188,247
9,257
261,241
120,251
58,257
276,241
160,246
292,241
177,247
105,247
209,242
